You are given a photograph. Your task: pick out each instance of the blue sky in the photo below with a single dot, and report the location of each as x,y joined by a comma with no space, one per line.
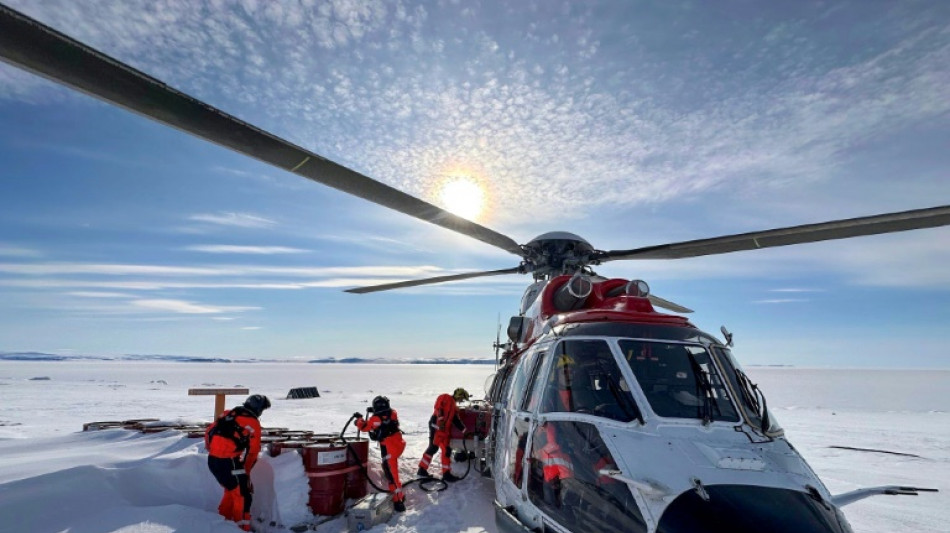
628,123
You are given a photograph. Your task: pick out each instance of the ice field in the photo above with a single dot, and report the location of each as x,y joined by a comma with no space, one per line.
55,477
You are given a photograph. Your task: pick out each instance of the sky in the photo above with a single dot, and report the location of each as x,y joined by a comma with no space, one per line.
628,123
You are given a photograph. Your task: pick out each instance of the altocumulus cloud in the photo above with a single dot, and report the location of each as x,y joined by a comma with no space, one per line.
580,104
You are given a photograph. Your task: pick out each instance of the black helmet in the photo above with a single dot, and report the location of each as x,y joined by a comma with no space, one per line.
381,405
256,403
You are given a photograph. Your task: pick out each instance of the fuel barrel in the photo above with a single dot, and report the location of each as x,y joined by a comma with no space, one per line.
356,459
327,469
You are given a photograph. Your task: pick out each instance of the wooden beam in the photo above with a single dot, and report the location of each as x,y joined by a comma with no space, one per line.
219,395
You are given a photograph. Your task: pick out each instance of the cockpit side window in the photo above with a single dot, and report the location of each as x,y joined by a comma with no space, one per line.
749,396
679,380
583,377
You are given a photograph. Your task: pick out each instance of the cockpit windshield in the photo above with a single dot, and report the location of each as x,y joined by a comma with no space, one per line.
679,380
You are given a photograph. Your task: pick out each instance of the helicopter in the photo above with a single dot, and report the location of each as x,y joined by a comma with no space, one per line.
605,414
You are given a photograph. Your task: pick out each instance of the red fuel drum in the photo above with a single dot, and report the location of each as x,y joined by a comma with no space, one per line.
327,469
476,417
356,477
335,472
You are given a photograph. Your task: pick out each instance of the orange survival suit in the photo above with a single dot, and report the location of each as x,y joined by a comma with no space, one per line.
383,427
444,413
234,442
556,466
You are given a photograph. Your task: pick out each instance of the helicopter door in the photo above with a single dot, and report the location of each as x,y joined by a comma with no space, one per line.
519,421
564,480
564,455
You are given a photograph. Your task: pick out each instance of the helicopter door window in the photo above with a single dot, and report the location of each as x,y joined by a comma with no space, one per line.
565,483
516,454
519,382
679,380
584,378
533,396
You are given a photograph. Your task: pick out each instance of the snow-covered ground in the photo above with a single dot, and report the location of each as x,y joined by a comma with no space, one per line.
55,477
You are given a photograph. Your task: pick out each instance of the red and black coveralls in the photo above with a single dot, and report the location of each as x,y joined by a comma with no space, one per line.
384,429
445,413
232,452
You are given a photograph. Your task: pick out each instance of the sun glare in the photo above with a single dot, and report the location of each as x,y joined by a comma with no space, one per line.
463,197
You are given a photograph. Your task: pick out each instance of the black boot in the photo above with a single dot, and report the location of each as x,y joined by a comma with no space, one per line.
399,507
423,473
450,477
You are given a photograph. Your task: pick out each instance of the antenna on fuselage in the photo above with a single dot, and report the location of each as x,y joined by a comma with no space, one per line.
497,344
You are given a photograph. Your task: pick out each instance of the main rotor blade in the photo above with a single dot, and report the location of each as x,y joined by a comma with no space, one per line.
429,281
33,46
666,304
837,229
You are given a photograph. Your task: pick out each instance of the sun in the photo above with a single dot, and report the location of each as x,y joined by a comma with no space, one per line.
463,196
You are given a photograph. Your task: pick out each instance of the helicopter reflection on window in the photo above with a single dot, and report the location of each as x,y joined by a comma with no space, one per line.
565,482
584,378
679,380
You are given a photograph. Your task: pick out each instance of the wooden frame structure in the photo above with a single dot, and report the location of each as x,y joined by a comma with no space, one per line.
219,395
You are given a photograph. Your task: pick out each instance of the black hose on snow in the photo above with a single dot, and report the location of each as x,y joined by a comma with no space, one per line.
426,484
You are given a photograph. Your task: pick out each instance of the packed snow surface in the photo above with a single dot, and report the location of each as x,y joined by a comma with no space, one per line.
54,477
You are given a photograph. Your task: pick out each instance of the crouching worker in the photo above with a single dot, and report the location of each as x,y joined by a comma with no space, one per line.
445,413
234,442
383,427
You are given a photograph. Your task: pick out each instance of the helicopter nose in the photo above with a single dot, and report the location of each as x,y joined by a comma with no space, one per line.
751,509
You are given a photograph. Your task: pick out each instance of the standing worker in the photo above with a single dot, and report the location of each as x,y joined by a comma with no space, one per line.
383,427
234,442
445,413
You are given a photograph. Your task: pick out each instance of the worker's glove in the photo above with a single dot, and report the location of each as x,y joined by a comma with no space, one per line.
369,409
357,415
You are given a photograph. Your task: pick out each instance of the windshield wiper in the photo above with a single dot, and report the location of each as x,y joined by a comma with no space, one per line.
625,402
751,394
704,388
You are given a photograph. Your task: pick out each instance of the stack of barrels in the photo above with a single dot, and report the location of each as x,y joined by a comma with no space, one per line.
335,468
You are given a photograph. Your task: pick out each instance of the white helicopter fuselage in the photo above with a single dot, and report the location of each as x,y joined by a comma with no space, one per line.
615,417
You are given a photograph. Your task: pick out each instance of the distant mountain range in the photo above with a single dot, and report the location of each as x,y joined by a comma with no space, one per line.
40,356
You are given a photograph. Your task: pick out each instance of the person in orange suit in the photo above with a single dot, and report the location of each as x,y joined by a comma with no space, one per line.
557,466
444,413
234,442
383,427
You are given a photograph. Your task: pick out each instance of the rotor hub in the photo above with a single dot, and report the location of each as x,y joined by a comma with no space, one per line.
556,253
